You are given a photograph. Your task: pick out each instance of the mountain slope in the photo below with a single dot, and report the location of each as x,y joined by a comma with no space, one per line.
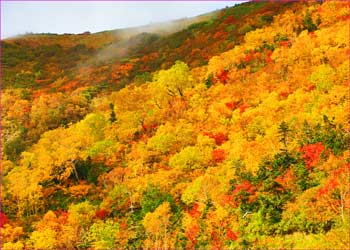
248,151
113,55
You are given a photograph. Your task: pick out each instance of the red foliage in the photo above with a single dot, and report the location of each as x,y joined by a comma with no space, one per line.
285,44
243,107
37,94
310,88
192,234
244,186
101,214
144,138
124,225
286,179
161,166
219,138
229,19
249,57
27,109
217,242
284,94
218,155
42,81
230,200
194,211
222,76
62,217
231,235
344,18
149,127
333,183
268,58
3,219
231,105
323,191
69,85
311,154
312,34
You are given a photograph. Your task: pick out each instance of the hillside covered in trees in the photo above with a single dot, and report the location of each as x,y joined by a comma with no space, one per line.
228,132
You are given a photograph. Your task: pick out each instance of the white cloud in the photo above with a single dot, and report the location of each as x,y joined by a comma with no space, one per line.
76,17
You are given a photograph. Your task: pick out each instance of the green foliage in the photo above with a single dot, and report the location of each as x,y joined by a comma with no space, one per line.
112,116
103,235
162,142
272,196
197,26
90,93
143,78
331,135
323,77
246,8
308,23
99,147
152,198
209,81
59,200
13,54
96,123
188,159
302,176
120,199
169,138
82,213
175,80
284,131
15,145
266,18
189,196
88,170
245,29
178,39
280,38
21,80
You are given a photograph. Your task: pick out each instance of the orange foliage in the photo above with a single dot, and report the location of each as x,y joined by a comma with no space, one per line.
218,155
192,234
231,235
194,211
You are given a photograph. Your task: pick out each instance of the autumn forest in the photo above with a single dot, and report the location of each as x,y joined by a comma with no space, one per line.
227,131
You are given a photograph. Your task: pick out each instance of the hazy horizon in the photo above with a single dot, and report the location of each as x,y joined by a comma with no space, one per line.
18,18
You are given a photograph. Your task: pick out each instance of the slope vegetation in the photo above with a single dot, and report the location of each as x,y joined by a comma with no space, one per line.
247,151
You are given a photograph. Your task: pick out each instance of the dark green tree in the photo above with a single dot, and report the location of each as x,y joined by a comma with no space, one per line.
112,117
308,23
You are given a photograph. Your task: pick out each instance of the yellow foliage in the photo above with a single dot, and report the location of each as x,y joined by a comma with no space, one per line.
157,226
18,245
45,239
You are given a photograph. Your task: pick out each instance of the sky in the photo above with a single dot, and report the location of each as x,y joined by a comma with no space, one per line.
20,17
